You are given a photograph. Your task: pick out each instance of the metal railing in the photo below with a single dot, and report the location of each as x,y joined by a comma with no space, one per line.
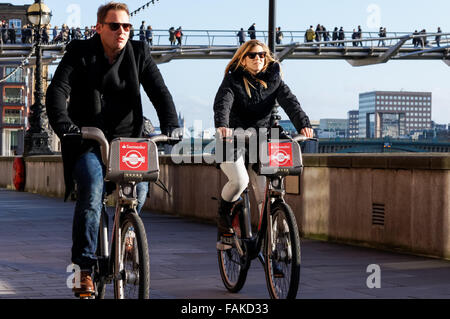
160,37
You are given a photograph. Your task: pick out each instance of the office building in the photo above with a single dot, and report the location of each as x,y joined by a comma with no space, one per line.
393,114
353,124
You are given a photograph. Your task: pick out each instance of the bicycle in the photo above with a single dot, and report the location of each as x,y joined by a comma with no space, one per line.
125,260
277,242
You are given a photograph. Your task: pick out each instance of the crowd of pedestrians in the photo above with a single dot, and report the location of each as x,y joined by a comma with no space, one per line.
321,34
8,34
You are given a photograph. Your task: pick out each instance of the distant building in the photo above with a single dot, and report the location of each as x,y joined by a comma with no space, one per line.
353,124
394,114
331,128
14,110
14,15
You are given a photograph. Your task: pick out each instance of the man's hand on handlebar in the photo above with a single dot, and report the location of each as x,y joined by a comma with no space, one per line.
174,136
72,132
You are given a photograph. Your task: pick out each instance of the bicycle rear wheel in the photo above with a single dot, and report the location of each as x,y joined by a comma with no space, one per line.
283,263
233,268
134,257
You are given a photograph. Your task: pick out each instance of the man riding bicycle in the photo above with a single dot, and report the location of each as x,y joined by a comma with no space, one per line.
97,84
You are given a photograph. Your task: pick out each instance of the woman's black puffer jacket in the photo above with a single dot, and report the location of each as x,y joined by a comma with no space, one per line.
233,107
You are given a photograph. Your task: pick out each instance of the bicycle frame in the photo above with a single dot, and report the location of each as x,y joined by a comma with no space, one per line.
110,265
254,243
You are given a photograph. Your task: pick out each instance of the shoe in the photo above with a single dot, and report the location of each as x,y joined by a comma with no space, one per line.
224,226
86,283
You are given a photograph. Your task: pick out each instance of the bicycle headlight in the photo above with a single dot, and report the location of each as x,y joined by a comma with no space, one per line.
127,190
276,182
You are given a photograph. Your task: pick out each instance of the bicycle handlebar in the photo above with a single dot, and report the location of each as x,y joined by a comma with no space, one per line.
94,133
247,135
303,138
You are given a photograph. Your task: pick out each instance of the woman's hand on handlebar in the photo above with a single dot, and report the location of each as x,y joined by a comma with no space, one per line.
307,131
225,132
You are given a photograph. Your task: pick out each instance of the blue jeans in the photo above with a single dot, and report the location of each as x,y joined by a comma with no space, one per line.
89,174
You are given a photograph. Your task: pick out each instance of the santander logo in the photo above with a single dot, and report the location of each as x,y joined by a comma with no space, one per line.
280,154
133,156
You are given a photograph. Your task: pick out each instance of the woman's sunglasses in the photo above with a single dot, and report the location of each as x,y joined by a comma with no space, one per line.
114,26
253,55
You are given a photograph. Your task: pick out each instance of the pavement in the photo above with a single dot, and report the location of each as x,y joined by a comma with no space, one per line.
35,238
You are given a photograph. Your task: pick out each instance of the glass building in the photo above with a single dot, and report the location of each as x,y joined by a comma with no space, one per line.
393,114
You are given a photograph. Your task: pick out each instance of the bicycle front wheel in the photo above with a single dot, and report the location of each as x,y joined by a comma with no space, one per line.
233,267
135,274
283,262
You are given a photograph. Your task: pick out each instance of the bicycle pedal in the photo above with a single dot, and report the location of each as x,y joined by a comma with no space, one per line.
226,241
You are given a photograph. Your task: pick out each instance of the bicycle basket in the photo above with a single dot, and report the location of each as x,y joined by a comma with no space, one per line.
280,158
133,159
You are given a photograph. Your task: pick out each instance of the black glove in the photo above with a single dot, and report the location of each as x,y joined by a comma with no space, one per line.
72,129
175,134
71,133
148,127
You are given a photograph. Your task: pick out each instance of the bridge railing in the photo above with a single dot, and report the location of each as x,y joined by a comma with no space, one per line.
230,38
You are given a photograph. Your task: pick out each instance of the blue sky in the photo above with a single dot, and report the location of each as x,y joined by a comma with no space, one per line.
324,88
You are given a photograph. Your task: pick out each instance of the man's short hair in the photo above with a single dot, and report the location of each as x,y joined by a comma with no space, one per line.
103,10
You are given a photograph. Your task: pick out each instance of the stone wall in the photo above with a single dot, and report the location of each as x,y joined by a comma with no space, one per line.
393,201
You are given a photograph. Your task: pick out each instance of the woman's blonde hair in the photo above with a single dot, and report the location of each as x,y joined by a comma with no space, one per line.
238,61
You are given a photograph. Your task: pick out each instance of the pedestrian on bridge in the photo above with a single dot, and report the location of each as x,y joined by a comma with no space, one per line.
438,37
172,36
279,36
354,37
326,35
4,31
341,36
179,35
335,35
149,35
142,32
382,34
241,36
12,33
98,83
359,35
310,34
252,31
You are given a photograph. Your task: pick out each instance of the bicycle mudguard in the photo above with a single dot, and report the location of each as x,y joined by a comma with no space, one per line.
280,158
133,159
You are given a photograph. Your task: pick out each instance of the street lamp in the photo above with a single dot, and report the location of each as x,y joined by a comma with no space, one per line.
37,136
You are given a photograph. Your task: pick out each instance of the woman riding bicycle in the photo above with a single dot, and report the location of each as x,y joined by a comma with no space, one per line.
245,99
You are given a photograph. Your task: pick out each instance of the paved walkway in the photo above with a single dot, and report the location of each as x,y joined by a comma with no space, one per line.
35,237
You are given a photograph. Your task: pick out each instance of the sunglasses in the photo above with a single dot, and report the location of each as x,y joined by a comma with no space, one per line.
253,55
114,26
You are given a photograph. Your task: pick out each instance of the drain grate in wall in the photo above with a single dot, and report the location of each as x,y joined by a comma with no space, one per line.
378,214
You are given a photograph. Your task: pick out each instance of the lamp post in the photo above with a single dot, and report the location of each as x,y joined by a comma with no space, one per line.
37,137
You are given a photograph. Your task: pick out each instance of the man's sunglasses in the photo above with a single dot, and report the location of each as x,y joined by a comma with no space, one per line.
114,26
253,55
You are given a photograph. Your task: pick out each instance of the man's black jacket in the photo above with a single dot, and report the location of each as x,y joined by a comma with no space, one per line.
87,91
